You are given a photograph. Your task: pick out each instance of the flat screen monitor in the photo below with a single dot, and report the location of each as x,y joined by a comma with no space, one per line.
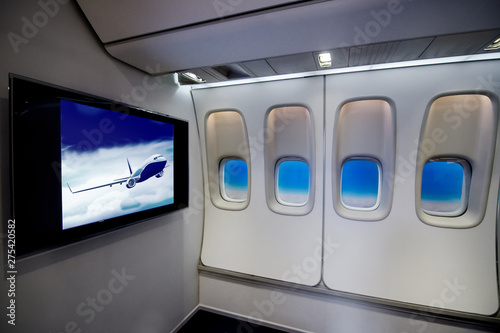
82,165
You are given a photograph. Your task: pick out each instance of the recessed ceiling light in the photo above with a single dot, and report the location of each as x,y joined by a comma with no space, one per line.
493,46
193,77
325,59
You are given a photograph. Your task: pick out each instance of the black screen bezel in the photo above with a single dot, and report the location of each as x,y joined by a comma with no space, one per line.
35,153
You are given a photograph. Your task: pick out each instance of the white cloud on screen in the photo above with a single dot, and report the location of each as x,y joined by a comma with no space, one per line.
88,169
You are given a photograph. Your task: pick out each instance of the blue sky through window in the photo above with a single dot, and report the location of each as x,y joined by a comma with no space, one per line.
442,187
360,183
235,178
293,182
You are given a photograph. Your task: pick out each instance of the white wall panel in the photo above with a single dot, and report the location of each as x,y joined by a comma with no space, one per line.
257,240
400,257
290,137
317,313
225,137
365,129
460,126
161,254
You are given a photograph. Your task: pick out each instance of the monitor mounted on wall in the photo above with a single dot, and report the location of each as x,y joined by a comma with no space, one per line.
82,165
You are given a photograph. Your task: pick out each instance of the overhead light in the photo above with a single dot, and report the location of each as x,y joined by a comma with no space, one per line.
325,59
193,77
493,46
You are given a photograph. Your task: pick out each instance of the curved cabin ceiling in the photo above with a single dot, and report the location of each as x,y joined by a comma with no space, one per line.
115,20
225,39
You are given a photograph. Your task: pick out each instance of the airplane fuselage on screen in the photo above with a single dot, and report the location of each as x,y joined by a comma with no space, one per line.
152,166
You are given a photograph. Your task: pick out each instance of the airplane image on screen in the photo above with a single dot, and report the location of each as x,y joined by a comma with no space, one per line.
152,166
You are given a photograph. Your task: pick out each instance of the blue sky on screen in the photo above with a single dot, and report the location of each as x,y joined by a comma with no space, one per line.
293,177
91,158
87,128
442,181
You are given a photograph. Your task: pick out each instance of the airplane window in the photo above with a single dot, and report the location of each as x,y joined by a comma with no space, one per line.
360,184
292,182
234,180
445,187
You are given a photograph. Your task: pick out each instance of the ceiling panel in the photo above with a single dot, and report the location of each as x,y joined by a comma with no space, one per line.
373,31
372,54
259,68
297,63
121,19
454,45
411,49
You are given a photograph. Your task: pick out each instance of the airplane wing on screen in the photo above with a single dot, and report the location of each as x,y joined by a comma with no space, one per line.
117,181
131,181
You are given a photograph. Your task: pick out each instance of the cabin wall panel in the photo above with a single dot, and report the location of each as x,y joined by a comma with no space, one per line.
395,258
316,313
257,240
159,257
400,257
